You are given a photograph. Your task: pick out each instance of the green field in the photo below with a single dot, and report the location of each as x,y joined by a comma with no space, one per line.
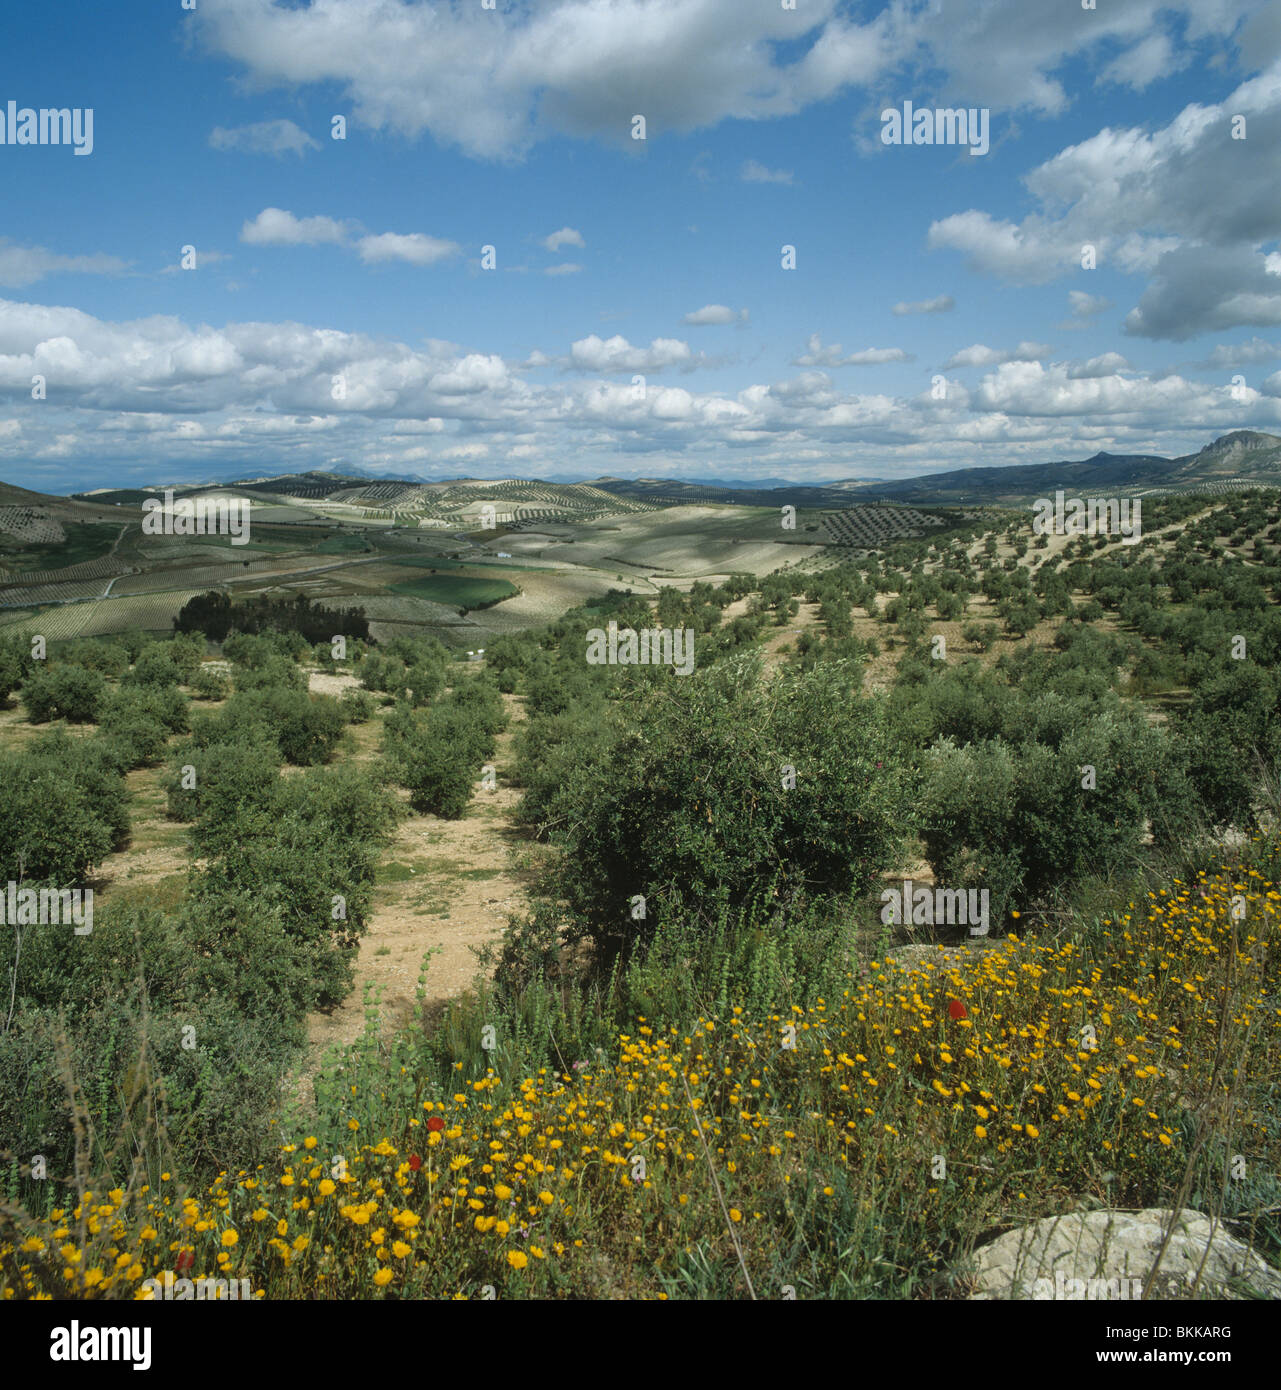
85,541
456,590
343,545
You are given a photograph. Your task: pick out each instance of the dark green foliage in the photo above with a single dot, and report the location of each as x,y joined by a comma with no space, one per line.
306,727
215,616
141,718
63,691
691,799
209,683
65,808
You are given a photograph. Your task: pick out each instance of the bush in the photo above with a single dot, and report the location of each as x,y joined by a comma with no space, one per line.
694,799
209,683
306,727
155,668
57,820
357,706
226,786
1017,819
64,692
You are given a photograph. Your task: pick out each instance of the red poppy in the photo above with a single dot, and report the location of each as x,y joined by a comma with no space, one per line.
186,1258
955,1009
435,1123
415,1162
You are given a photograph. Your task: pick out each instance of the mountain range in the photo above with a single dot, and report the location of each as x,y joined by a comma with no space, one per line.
1241,458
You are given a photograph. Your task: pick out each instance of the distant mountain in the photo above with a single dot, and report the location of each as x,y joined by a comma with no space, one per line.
727,484
1241,458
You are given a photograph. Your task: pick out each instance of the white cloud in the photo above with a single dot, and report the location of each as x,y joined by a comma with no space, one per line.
616,354
24,265
1173,203
263,137
1087,306
714,315
1106,364
494,83
144,398
753,171
415,248
941,304
832,355
980,356
276,227
1241,354
567,236
565,268
1151,58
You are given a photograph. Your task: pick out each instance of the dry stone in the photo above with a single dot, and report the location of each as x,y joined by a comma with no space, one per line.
1108,1255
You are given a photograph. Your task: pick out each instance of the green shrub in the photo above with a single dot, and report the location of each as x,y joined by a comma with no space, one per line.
209,683
694,799
63,692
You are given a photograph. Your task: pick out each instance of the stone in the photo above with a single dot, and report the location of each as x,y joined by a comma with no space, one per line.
1108,1254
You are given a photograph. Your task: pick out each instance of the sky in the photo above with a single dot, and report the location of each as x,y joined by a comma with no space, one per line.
490,276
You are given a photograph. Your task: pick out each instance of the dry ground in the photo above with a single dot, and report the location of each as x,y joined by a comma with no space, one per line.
444,887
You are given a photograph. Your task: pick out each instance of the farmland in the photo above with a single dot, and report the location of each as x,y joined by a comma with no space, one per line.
507,554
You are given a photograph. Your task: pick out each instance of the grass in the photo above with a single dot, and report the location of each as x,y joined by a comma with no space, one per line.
456,590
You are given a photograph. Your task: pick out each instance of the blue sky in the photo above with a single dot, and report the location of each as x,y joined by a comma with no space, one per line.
359,261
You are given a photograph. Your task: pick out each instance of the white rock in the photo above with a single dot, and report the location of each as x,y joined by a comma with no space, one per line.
1109,1254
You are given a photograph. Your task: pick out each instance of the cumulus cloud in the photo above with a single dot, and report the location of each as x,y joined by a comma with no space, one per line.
712,315
24,265
816,354
494,83
1028,388
1201,289
567,236
414,248
616,354
263,137
1170,203
1087,306
129,398
941,304
1106,364
980,356
1241,354
276,227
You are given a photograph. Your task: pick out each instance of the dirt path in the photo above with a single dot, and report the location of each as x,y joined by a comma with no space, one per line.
443,886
